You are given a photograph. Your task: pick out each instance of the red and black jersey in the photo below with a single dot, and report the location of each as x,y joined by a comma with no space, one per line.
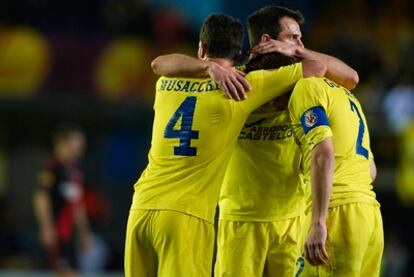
64,184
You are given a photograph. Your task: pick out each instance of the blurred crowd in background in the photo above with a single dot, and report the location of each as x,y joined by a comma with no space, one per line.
88,62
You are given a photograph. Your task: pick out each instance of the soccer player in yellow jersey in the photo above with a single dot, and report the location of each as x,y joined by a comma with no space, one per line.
262,198
170,225
345,236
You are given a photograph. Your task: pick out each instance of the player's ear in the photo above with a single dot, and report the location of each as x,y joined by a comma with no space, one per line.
264,38
202,50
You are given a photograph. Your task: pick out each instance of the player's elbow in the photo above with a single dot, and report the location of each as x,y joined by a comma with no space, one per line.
323,154
314,68
155,65
38,199
324,158
353,80
39,196
321,70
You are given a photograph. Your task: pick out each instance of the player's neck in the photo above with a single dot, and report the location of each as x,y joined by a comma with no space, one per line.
221,61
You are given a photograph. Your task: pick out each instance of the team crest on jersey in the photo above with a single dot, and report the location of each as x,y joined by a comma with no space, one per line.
310,118
313,118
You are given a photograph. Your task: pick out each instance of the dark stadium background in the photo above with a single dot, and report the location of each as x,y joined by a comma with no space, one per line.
88,62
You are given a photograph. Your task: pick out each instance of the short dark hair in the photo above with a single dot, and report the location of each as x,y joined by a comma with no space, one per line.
266,21
269,61
223,36
64,130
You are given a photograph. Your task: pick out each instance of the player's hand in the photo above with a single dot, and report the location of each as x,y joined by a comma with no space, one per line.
48,238
86,241
230,80
315,245
277,46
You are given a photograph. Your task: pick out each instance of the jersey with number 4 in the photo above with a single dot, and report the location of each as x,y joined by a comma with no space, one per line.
195,127
319,108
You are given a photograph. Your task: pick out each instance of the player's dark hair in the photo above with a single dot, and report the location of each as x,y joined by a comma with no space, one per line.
268,61
223,36
64,130
266,21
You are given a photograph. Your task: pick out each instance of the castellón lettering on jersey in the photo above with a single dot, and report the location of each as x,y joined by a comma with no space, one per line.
266,132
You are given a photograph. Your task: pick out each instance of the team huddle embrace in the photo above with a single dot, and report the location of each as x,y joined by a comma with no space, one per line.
289,206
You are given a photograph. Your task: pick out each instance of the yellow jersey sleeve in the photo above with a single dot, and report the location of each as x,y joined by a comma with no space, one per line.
309,107
269,84
319,108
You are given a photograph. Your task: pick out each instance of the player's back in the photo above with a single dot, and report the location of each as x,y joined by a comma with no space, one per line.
195,127
192,119
262,179
346,123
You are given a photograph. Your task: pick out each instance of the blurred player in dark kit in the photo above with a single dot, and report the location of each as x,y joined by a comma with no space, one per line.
58,201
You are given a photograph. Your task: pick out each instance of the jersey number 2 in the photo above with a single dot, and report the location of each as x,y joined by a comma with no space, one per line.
186,112
359,148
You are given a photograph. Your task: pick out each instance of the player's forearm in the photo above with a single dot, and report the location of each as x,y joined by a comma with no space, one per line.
81,220
337,70
322,161
42,208
178,65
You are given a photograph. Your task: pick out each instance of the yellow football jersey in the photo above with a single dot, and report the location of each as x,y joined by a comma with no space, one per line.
262,179
319,108
194,130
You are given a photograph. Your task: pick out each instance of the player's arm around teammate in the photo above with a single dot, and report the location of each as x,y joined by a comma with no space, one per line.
322,166
337,71
231,80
